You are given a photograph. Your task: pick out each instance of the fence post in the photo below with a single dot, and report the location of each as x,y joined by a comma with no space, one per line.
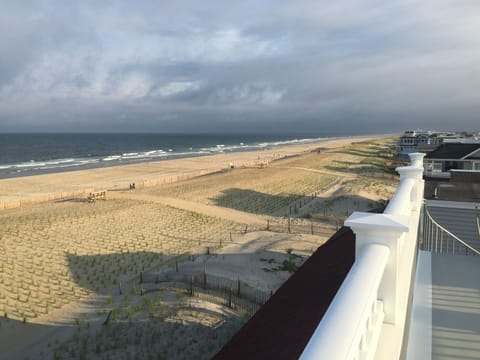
204,278
230,296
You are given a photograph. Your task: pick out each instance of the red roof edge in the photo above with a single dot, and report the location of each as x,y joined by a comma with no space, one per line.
282,327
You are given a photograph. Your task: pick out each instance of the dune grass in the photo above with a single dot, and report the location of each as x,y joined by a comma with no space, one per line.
52,254
258,191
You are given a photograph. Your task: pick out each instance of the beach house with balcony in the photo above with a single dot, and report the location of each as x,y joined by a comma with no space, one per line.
391,285
412,139
427,141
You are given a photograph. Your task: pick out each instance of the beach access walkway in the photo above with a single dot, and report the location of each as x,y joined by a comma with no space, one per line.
344,175
209,210
254,220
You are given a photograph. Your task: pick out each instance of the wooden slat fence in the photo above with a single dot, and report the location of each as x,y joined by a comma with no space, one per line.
233,293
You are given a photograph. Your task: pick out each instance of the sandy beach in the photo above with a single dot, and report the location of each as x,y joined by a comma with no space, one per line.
40,187
148,265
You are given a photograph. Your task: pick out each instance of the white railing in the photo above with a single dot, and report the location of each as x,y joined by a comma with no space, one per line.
364,315
366,319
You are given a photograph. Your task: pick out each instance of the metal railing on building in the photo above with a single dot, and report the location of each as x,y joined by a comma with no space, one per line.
437,239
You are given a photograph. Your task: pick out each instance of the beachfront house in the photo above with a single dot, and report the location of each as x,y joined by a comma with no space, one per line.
452,156
427,141
399,284
410,140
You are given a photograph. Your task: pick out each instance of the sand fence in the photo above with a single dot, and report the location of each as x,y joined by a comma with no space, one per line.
145,183
4,205
176,178
183,177
233,293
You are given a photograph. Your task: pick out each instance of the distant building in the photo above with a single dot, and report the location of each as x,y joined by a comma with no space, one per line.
427,141
452,156
410,141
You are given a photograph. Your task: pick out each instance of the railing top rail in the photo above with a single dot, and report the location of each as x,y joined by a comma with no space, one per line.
449,233
401,200
332,339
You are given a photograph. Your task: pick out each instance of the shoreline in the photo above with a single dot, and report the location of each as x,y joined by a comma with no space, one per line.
135,153
67,164
21,191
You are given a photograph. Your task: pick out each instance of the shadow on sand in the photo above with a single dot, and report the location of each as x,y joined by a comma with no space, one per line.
102,273
253,202
141,325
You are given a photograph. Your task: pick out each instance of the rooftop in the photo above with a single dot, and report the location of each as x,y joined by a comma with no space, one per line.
453,151
462,186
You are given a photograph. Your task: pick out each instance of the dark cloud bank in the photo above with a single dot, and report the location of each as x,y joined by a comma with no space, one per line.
274,66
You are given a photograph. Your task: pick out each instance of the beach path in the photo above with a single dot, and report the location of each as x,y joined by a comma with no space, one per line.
209,210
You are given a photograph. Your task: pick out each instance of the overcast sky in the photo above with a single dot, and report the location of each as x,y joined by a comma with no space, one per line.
248,66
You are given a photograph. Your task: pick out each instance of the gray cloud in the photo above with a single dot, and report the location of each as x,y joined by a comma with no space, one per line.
313,66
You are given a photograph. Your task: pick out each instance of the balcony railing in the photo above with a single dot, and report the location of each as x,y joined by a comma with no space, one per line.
367,316
437,239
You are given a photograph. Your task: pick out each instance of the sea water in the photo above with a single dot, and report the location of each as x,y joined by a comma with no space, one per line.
32,154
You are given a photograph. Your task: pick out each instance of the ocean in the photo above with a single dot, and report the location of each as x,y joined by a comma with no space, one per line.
33,154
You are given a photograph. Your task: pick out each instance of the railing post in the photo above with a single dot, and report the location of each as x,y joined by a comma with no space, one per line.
387,230
417,162
416,159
